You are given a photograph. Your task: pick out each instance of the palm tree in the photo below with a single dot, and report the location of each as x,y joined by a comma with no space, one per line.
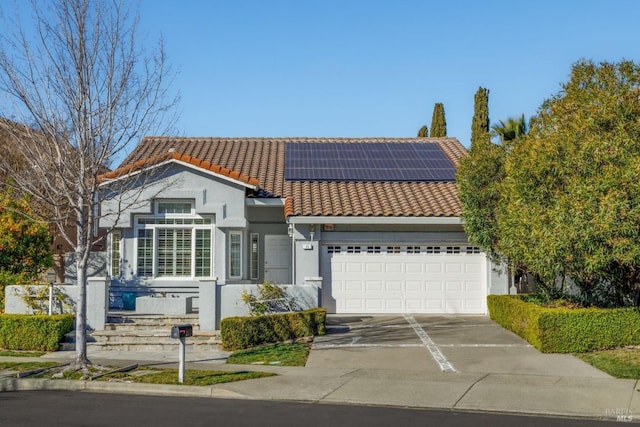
511,129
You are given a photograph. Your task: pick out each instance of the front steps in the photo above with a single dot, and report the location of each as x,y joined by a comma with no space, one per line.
140,332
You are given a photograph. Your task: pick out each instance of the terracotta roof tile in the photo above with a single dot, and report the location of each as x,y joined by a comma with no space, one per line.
159,158
260,162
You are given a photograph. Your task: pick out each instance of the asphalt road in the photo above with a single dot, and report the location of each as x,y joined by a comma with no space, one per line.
82,409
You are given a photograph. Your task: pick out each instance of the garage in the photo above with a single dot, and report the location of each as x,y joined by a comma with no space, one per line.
405,279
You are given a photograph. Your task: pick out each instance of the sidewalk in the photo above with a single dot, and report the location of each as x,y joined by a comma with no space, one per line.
398,385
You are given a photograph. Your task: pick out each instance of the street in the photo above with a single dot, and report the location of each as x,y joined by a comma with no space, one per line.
83,409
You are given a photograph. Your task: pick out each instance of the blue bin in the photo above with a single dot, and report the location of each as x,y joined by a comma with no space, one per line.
128,301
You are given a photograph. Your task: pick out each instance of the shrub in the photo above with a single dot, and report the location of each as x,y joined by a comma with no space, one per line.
33,332
566,330
245,332
271,298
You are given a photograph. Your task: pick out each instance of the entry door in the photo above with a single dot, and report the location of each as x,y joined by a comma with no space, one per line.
277,259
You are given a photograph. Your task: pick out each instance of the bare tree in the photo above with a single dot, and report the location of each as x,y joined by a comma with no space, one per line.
85,89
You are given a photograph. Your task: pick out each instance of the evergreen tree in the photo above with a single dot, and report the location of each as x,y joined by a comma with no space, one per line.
438,122
480,122
423,132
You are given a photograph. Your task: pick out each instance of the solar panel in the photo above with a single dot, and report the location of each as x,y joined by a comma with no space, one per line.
380,161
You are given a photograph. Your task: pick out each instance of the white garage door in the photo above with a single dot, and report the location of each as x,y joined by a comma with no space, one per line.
408,279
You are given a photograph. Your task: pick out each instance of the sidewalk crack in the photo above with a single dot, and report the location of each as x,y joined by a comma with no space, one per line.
469,389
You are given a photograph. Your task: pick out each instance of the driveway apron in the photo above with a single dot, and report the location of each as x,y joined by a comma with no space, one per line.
438,344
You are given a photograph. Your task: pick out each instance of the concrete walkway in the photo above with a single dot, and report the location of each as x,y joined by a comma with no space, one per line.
391,361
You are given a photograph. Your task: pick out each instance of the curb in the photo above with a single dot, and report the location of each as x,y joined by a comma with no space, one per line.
32,384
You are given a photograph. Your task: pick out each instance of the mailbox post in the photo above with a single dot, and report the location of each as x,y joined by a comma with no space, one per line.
181,332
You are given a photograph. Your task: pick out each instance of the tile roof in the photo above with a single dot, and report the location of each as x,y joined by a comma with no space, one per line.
260,161
159,158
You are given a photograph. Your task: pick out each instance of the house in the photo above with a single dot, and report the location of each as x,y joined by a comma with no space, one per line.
356,225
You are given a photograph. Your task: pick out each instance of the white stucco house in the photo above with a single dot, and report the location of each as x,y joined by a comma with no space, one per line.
356,225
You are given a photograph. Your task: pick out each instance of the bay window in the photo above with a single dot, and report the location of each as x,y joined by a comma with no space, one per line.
174,243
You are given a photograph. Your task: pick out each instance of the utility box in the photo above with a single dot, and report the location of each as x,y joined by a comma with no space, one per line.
182,331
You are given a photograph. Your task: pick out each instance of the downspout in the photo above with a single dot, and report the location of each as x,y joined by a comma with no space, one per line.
292,234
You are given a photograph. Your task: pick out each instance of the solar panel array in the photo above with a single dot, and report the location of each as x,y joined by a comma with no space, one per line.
379,162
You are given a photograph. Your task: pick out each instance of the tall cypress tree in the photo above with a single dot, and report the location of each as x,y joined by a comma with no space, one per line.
480,122
423,132
438,122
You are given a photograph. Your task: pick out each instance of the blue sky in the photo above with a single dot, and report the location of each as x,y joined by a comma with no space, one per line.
375,68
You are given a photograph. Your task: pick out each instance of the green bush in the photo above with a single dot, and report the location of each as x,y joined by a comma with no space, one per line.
566,330
33,332
245,332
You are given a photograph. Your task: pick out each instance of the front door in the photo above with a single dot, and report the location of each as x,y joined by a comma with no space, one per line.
277,259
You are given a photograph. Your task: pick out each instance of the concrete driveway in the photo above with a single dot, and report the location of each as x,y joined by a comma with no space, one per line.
436,344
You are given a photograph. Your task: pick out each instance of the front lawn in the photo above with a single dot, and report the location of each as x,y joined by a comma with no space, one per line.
17,353
289,354
619,363
191,376
138,375
25,366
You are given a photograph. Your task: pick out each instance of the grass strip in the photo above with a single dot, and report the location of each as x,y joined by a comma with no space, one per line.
619,363
283,354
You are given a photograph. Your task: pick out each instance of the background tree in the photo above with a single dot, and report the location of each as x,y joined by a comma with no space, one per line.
25,239
510,129
438,122
572,185
478,178
81,81
423,132
480,120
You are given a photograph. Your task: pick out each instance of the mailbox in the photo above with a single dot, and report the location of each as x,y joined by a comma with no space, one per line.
182,331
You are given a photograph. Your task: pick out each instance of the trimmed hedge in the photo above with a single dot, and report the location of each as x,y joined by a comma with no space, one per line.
566,330
33,332
246,332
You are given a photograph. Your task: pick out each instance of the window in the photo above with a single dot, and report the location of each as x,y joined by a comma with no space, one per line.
235,254
115,253
175,242
354,249
473,250
203,253
393,249
453,249
433,249
334,249
414,249
174,207
373,249
174,252
255,252
145,252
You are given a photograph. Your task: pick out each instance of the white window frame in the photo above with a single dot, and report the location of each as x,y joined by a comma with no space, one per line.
231,255
254,259
190,221
158,202
115,237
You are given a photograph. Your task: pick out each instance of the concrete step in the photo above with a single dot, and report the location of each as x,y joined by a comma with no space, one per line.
143,337
147,321
123,347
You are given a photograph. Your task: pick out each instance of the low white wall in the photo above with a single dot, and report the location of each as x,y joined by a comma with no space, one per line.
231,305
14,302
96,300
